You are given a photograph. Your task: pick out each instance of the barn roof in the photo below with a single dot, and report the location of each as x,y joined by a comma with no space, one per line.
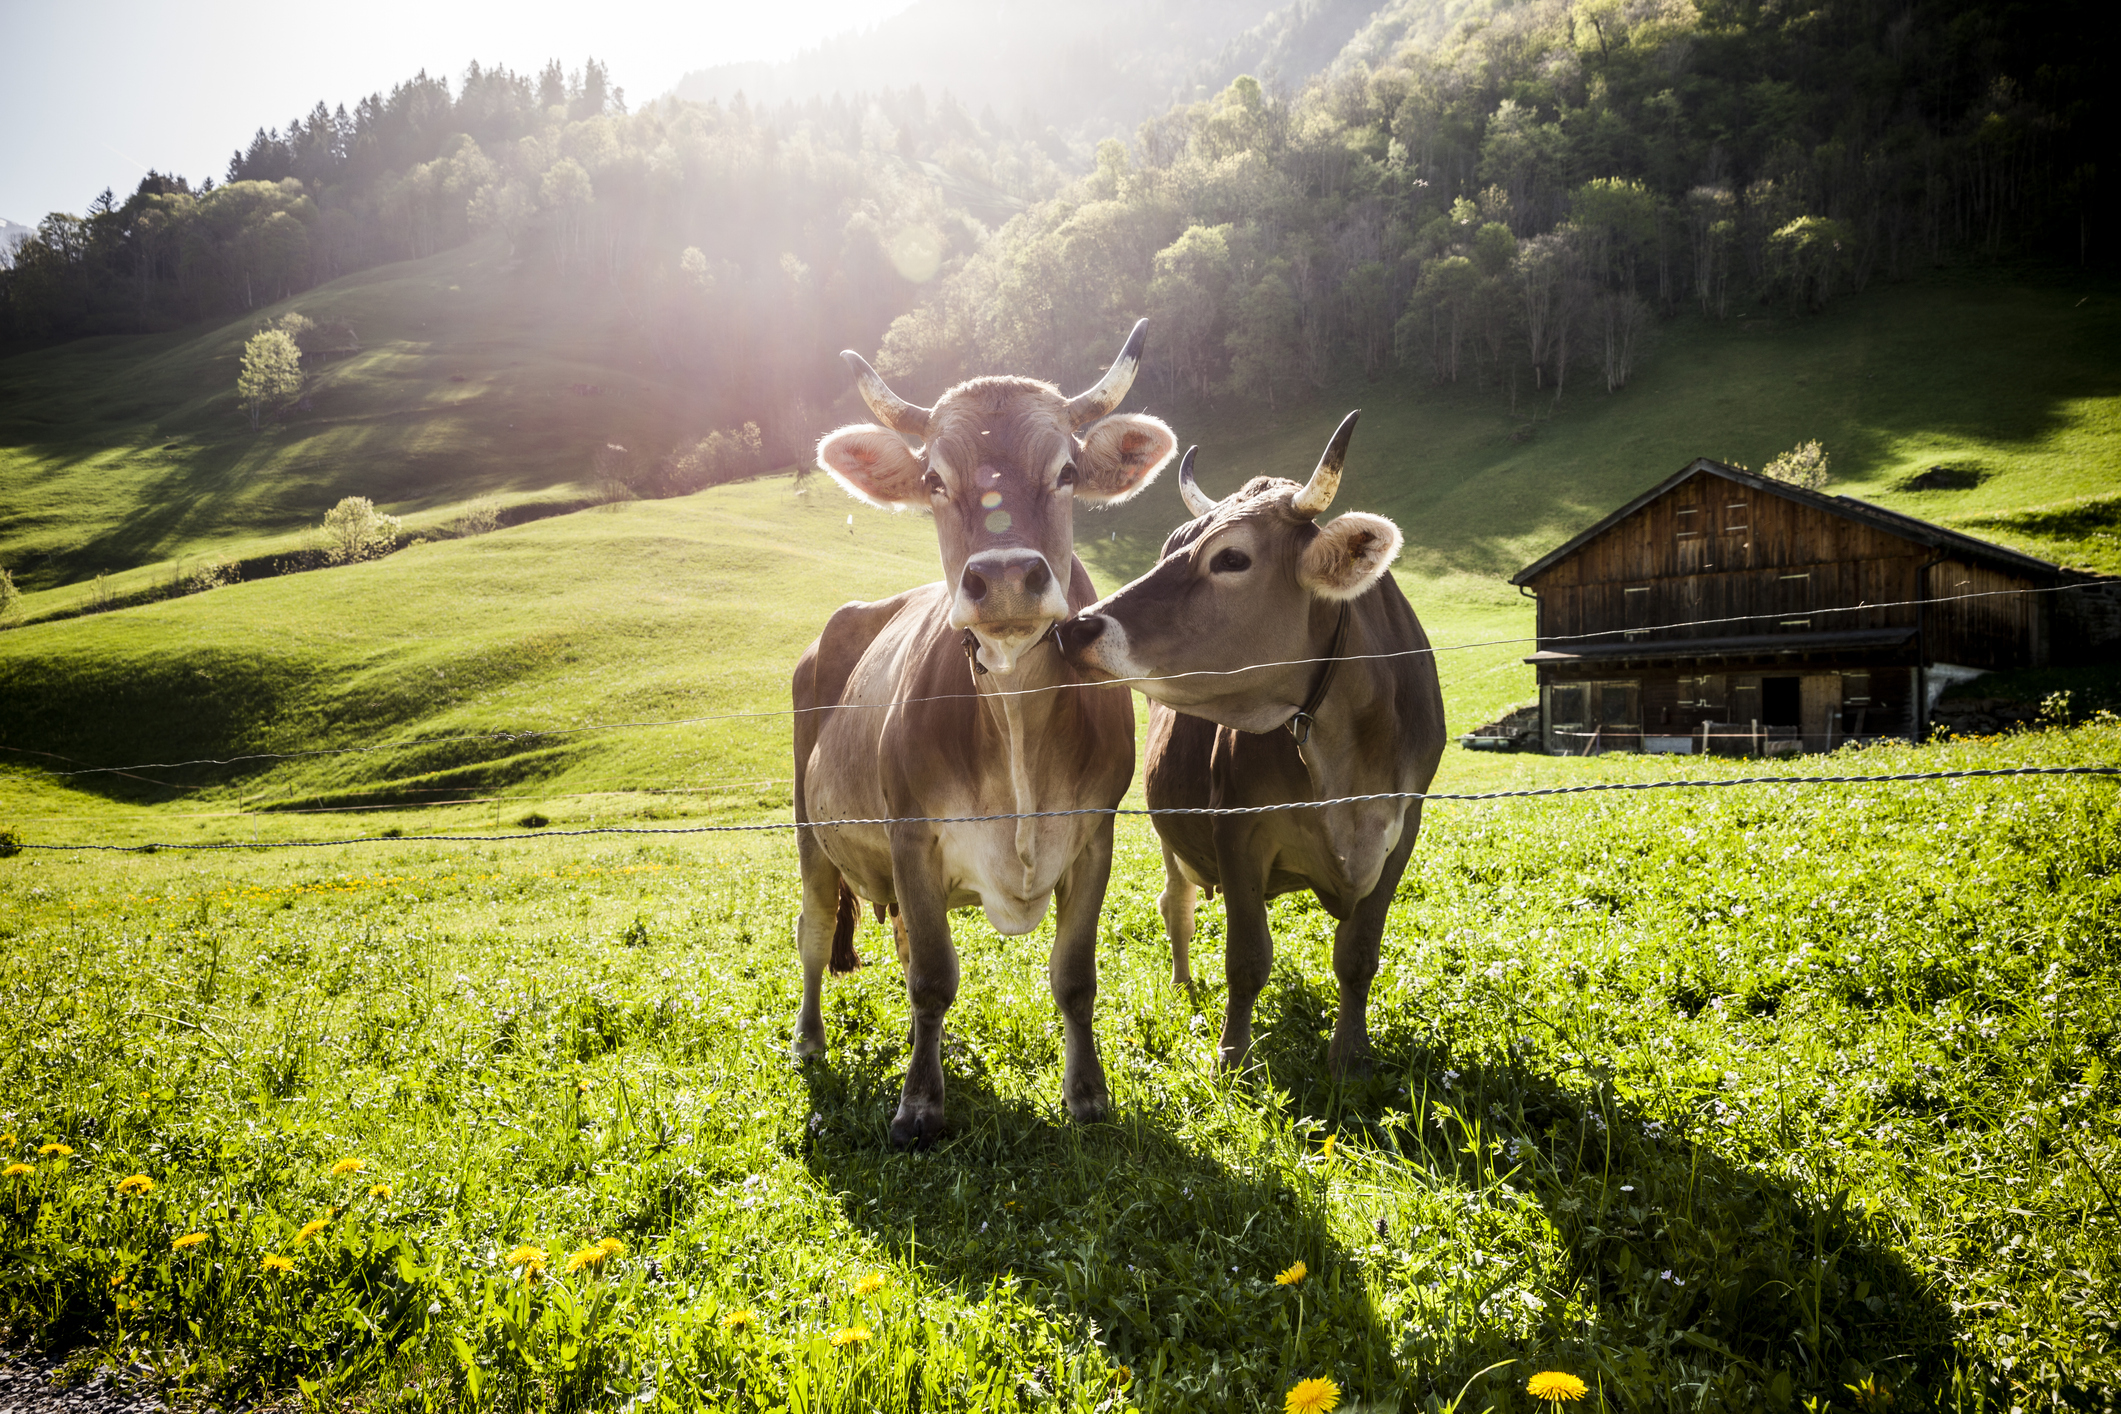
1906,527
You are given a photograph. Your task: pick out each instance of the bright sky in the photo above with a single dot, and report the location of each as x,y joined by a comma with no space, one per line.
95,92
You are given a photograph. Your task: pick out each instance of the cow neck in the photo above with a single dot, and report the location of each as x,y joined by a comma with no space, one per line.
1019,714
1351,746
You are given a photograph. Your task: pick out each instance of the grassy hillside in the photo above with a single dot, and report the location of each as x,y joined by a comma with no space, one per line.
118,453
129,452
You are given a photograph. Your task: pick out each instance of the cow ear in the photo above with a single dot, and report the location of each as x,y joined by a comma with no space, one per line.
1121,454
1350,554
874,464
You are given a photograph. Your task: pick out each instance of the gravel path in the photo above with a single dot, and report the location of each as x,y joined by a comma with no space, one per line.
26,1388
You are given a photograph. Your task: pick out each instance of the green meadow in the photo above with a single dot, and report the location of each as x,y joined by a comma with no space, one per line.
1758,1097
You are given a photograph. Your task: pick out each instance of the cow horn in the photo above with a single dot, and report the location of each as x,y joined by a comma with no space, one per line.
1197,501
1111,389
888,407
1318,492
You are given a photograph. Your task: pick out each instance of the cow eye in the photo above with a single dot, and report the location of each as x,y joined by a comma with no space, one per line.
1229,561
1066,477
934,483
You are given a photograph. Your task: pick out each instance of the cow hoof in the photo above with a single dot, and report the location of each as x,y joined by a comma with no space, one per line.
1229,1059
915,1129
805,1047
1355,1067
1090,1109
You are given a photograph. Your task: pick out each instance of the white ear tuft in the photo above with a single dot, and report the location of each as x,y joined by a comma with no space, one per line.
1122,454
1351,553
874,464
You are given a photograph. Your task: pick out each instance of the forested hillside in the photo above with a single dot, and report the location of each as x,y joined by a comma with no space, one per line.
738,242
1521,199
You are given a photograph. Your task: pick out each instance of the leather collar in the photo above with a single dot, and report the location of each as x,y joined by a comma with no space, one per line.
1306,716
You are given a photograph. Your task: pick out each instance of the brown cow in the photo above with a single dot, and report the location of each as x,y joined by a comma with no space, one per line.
948,700
1254,580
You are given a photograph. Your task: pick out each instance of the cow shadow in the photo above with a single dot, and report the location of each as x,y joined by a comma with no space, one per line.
1165,1255
1708,1274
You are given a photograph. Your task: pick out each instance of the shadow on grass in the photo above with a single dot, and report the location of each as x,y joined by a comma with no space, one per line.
1692,1277
1167,1255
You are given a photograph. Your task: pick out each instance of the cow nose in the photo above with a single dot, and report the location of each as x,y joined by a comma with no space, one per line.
1007,583
1079,633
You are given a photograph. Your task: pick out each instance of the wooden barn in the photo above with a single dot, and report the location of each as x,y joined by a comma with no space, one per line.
1721,611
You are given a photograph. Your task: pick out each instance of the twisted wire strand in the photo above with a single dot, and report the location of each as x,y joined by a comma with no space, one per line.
533,734
1424,796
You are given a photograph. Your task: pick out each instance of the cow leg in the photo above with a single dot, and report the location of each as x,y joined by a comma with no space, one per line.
814,928
1072,972
931,982
1248,952
1355,949
1176,903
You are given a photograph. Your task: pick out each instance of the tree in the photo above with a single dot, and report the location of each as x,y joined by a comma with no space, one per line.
1807,254
1262,338
355,530
1803,465
10,601
271,373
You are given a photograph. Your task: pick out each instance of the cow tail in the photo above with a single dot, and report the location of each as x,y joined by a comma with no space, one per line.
844,958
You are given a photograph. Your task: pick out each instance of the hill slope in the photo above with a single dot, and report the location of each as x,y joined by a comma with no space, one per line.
122,451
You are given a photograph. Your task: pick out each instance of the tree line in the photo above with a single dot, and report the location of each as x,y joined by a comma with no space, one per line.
1519,202
744,241
1514,201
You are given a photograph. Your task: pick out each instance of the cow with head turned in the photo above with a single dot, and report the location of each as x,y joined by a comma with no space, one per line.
1284,667
953,700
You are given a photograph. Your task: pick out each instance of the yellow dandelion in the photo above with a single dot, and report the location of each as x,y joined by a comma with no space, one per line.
870,1284
587,1257
737,1321
380,1190
17,1171
189,1239
7,1141
1312,1397
311,1229
346,1166
1327,1151
1123,1375
1294,1276
581,1087
526,1256
1555,1386
61,1151
850,1335
117,1281
274,1262
612,1246
139,1184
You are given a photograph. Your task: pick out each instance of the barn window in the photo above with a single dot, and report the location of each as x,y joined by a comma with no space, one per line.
1736,517
1856,689
1636,598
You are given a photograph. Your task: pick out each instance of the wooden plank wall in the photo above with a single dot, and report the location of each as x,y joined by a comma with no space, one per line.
2008,630
1765,565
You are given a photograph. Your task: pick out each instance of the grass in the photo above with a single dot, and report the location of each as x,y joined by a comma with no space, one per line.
1731,1099
124,454
1728,1099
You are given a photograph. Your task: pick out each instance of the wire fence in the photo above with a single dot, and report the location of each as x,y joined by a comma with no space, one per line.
1427,650
1115,811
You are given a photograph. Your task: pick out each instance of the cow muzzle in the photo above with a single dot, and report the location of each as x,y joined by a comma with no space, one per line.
1096,645
1010,598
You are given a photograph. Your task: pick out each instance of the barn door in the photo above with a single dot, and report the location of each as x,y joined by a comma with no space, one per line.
1821,710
